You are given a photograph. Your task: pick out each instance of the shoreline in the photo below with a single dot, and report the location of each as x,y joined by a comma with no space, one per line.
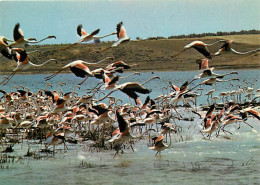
143,71
149,55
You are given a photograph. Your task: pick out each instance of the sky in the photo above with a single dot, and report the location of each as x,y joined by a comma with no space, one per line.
141,18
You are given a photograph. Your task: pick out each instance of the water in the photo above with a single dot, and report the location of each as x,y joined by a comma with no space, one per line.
192,160
36,82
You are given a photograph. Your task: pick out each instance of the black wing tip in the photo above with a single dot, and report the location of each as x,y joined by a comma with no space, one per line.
17,25
95,32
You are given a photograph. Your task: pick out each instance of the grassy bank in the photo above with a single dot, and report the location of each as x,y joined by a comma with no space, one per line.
150,55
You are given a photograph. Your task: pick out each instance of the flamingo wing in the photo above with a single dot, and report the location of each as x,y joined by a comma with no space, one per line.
114,80
203,50
79,72
6,54
122,124
18,33
136,87
81,31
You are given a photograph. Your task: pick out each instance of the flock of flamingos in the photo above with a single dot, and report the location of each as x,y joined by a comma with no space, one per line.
51,117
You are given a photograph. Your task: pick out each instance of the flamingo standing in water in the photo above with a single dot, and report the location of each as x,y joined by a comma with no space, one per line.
20,41
23,62
85,37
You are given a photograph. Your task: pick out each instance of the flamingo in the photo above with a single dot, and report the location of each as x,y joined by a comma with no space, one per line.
227,47
6,123
121,35
159,145
4,49
19,39
209,94
213,126
23,62
213,81
199,46
110,83
85,37
122,134
209,72
203,63
252,111
79,68
230,119
131,88
55,139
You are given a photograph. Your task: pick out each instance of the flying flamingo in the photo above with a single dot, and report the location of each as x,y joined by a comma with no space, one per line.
4,49
122,134
23,62
227,47
213,80
131,88
121,35
85,37
19,39
199,46
159,145
203,63
110,83
209,72
79,68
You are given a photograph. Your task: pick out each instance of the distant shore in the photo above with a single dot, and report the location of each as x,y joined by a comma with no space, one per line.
149,55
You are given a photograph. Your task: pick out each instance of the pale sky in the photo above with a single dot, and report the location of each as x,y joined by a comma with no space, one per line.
141,18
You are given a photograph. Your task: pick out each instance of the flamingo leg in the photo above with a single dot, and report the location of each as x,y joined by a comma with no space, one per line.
248,124
71,45
83,81
8,78
53,75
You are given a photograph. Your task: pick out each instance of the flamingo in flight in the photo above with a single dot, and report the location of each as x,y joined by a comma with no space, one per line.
85,37
79,68
121,35
4,49
203,63
131,88
23,62
20,41
159,145
209,72
227,47
122,134
199,46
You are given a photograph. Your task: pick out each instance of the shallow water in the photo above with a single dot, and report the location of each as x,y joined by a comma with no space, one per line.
36,82
190,160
